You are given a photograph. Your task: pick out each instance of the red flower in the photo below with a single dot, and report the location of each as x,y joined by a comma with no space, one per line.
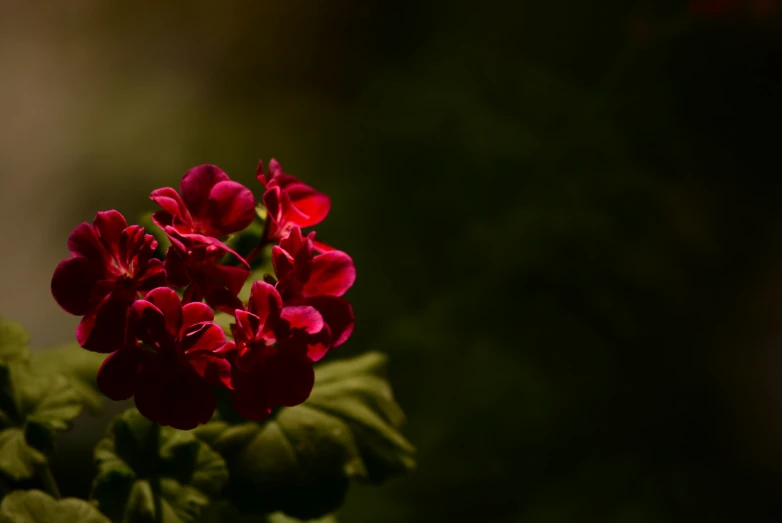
191,262
273,353
172,374
290,202
111,264
318,281
211,204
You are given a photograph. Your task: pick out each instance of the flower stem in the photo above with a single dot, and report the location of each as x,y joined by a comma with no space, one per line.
154,481
48,482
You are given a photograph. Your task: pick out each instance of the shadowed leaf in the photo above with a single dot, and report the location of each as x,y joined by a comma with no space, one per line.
34,506
128,463
347,429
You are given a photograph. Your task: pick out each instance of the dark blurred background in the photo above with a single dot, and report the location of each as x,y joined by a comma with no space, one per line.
565,217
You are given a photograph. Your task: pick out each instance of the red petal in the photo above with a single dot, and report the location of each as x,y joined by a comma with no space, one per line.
303,317
287,380
110,225
118,376
271,200
193,313
232,277
196,185
214,369
283,262
105,329
169,303
203,337
313,204
332,275
275,169
84,241
74,282
231,207
176,267
250,403
153,276
147,323
175,395
264,301
259,173
337,314
171,203
247,325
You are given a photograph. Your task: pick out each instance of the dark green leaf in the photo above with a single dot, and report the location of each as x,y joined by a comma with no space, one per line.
34,409
223,511
347,429
131,461
13,341
78,365
34,506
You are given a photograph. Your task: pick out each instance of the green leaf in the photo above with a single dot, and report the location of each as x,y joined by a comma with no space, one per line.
79,366
163,243
34,506
279,517
32,410
18,459
347,429
13,341
131,461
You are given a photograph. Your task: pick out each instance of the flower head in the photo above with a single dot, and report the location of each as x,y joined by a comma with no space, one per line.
169,363
211,204
110,264
273,352
192,262
316,280
289,201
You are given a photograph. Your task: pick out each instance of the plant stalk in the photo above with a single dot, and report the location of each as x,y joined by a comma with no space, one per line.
48,482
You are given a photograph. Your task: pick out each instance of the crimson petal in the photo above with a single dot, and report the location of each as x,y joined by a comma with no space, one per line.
214,369
104,330
332,274
338,315
249,401
73,284
264,301
118,375
196,185
231,207
288,379
169,303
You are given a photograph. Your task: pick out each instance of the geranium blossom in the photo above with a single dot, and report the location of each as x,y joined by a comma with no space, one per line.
171,371
192,262
289,201
273,352
111,264
211,204
316,280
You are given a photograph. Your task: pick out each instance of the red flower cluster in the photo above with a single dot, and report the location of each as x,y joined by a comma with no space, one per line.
164,348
